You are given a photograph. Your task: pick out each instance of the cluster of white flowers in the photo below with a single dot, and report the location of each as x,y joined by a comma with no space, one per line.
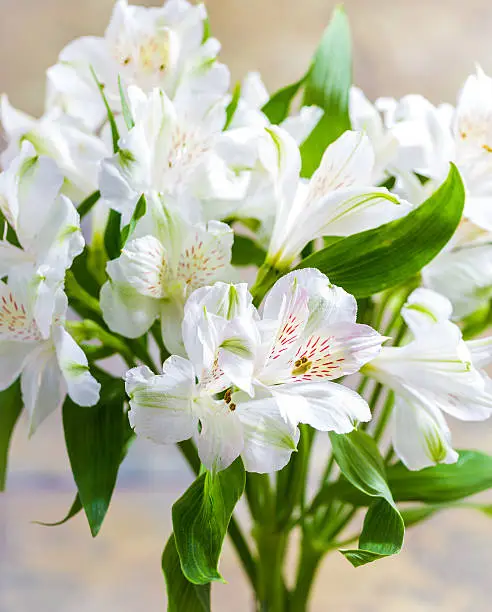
207,167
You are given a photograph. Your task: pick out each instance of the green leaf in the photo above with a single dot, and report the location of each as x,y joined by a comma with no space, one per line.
232,106
115,136
360,462
75,508
278,107
181,594
83,276
112,235
439,484
245,252
200,520
86,205
96,438
127,115
414,516
374,260
471,474
10,409
382,534
138,213
328,86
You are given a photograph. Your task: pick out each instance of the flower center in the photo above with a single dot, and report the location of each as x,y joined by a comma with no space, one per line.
186,152
152,56
15,324
301,366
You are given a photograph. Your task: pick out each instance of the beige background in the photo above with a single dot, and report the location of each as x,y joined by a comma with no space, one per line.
401,46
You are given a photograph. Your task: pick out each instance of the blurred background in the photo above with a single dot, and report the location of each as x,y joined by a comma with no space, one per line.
400,47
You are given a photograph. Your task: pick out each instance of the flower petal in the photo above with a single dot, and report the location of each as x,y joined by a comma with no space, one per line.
220,440
82,387
326,406
421,438
205,254
347,162
144,263
13,356
269,439
42,385
424,308
126,311
336,350
161,406
172,313
463,275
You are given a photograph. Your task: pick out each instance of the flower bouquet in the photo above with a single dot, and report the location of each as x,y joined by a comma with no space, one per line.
133,213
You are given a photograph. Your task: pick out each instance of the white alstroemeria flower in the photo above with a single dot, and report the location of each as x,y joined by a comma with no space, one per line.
338,200
76,151
434,373
254,96
148,47
257,378
405,135
307,338
50,367
193,398
473,138
47,227
157,271
173,150
438,135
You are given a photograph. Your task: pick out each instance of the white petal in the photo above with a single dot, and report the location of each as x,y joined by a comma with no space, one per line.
118,188
421,438
328,302
220,440
222,300
16,308
13,356
237,352
301,125
354,210
205,255
480,351
424,308
42,385
473,125
253,90
333,351
124,310
144,263
464,276
11,257
326,406
82,387
40,181
347,162
161,406
269,439
59,239
436,370
172,314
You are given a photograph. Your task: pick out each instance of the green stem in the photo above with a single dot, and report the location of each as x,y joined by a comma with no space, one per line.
271,591
76,292
384,416
266,278
309,560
